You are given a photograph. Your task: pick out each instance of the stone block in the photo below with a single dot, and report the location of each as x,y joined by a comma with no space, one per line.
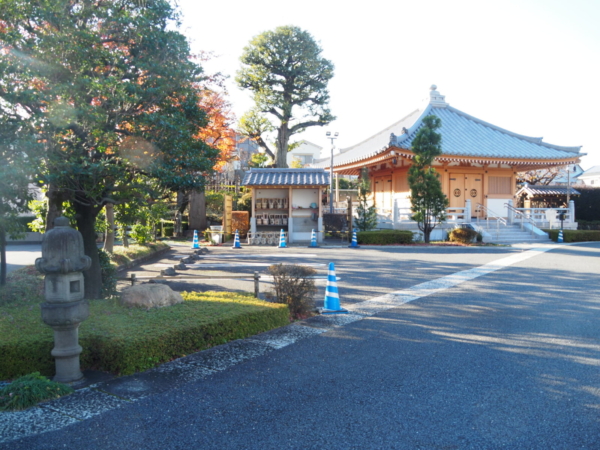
150,296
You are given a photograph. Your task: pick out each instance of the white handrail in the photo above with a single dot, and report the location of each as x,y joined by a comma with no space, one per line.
491,214
523,217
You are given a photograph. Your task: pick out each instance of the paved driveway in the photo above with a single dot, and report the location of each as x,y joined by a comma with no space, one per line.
501,350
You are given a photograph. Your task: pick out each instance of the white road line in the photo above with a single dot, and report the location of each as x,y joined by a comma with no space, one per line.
393,299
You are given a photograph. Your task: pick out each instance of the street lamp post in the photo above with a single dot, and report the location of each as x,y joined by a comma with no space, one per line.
333,137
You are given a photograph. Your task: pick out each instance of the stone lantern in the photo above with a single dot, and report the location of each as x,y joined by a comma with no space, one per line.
62,262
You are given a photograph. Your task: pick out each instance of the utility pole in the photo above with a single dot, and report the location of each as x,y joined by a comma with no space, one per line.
333,137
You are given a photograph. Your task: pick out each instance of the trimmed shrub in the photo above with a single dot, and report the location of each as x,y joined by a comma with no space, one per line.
29,390
124,340
575,235
294,288
463,235
385,237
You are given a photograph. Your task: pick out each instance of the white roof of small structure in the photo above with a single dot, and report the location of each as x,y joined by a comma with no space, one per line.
462,135
591,172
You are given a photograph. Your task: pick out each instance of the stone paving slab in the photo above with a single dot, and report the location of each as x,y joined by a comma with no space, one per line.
330,321
284,336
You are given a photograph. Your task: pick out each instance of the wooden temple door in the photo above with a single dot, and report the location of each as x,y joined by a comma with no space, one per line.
457,190
474,191
465,186
383,192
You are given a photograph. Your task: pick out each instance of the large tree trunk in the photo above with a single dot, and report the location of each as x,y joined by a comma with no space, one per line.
86,221
55,202
109,241
283,137
182,203
197,216
2,257
124,237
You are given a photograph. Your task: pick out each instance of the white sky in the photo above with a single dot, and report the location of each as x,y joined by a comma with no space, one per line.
530,66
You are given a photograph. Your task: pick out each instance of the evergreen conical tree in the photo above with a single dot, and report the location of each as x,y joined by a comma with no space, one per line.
367,215
428,201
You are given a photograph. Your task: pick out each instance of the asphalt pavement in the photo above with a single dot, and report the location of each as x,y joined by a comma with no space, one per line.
448,348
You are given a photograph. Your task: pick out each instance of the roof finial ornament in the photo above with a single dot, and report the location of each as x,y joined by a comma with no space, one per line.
436,99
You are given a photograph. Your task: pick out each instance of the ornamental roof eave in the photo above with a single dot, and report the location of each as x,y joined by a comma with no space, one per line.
463,136
353,167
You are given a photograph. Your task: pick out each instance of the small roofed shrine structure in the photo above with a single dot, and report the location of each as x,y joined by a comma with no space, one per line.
542,196
286,199
477,168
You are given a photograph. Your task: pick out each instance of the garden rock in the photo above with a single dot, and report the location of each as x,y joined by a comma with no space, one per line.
150,296
168,272
180,266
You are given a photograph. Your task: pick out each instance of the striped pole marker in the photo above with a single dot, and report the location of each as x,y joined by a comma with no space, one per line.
313,239
282,239
195,243
560,239
354,243
332,297
236,241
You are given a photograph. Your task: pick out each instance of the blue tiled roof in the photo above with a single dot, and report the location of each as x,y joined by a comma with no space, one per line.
462,135
286,177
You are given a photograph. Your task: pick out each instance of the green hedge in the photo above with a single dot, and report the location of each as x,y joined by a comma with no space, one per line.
126,340
575,235
385,237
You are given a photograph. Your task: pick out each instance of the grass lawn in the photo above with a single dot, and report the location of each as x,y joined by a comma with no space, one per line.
125,340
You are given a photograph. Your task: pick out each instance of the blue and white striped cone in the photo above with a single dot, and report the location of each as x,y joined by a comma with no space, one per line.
354,243
236,241
332,297
560,237
195,243
313,239
282,239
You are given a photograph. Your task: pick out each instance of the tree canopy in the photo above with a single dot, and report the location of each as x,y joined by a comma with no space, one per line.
288,76
426,195
111,93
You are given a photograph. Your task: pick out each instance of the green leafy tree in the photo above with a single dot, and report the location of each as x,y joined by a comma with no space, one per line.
367,215
111,92
428,201
258,160
15,176
288,77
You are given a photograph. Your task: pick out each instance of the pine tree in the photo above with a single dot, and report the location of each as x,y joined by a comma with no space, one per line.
367,215
428,201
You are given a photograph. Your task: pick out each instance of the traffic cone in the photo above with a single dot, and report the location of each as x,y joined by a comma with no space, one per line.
560,237
332,297
313,239
236,241
195,243
354,243
282,239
